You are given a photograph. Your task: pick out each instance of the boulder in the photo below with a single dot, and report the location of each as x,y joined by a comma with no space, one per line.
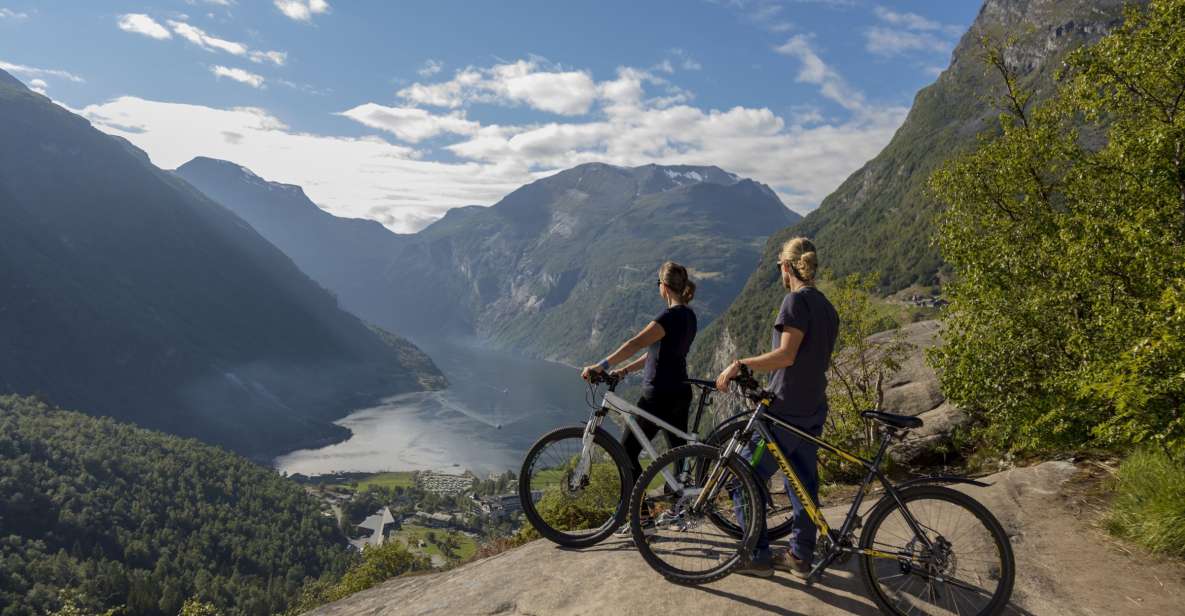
914,390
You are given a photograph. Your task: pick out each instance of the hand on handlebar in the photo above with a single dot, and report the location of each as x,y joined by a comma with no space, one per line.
591,373
727,375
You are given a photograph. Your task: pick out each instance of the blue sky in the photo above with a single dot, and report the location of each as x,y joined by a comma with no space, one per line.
397,111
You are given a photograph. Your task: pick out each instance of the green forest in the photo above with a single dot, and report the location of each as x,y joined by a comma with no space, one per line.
107,515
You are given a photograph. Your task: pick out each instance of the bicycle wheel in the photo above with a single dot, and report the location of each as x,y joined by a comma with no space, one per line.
779,512
969,569
574,511
681,543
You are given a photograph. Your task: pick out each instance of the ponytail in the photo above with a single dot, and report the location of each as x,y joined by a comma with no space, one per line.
675,277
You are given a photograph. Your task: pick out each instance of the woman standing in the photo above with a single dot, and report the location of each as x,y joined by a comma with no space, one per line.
804,336
666,339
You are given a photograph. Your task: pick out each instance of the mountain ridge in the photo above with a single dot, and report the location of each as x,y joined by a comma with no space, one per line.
881,219
129,293
548,270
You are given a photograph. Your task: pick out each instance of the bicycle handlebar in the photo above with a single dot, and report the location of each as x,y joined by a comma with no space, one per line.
597,377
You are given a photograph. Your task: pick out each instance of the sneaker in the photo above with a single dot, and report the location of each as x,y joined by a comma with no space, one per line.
759,565
786,561
648,529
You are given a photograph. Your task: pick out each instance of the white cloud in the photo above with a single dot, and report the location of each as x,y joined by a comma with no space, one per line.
199,37
11,14
430,68
802,155
684,60
238,74
909,32
410,124
38,85
913,21
360,177
32,72
275,57
302,10
140,23
891,42
814,70
555,91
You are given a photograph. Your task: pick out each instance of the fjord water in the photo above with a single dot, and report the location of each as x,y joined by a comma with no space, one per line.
496,405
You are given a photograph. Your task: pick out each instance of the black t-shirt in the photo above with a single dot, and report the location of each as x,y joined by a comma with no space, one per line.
666,360
800,390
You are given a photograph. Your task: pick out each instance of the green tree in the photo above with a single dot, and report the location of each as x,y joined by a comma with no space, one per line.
1067,234
860,363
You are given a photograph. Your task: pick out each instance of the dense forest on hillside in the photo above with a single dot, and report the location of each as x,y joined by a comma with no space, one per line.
115,515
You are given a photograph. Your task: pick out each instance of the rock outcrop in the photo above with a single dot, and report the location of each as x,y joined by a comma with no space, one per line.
1063,567
914,390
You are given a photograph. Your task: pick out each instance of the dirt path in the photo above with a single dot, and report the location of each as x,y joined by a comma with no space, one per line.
1064,567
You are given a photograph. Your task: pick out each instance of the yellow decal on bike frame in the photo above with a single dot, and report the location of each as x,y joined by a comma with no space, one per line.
808,503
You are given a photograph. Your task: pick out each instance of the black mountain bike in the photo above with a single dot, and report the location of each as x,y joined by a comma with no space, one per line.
925,548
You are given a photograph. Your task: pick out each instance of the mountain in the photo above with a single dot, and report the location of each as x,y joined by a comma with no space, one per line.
126,292
881,218
562,268
116,515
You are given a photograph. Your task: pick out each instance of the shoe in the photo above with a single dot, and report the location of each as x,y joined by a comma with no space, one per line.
786,561
648,529
759,565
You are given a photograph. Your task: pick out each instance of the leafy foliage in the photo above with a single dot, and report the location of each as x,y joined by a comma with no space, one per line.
1066,317
378,564
860,364
97,514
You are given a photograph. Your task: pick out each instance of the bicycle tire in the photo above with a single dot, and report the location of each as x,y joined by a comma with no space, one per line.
888,505
560,536
718,438
752,497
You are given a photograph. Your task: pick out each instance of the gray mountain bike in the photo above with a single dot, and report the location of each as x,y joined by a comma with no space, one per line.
575,481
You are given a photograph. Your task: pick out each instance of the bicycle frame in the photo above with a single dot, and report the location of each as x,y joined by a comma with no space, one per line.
629,414
758,422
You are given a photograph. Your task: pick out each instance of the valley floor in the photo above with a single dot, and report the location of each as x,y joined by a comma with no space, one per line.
1065,565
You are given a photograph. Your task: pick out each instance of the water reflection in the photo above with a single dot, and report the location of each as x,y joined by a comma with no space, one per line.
496,406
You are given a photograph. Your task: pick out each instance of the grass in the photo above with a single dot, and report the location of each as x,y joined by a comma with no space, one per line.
411,534
402,479
1149,504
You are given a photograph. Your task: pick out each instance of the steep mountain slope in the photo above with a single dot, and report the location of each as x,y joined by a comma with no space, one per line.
126,292
121,516
881,219
561,268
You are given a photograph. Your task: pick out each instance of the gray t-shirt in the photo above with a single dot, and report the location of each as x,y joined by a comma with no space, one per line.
800,390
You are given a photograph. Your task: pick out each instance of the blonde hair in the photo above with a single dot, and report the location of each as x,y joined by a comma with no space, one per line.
799,253
674,276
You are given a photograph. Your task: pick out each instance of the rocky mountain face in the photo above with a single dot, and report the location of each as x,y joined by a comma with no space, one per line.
881,218
562,268
125,292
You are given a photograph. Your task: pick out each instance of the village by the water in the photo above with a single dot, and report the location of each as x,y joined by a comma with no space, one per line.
443,516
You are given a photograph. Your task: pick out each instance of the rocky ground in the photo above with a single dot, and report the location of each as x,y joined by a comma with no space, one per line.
1065,565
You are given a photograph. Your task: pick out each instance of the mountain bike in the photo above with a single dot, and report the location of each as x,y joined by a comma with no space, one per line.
575,481
924,548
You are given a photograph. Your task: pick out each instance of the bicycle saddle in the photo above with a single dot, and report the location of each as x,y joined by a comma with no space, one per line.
889,419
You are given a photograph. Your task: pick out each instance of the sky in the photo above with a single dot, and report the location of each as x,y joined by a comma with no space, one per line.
398,111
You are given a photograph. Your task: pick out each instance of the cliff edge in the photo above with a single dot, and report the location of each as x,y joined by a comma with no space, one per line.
1064,566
